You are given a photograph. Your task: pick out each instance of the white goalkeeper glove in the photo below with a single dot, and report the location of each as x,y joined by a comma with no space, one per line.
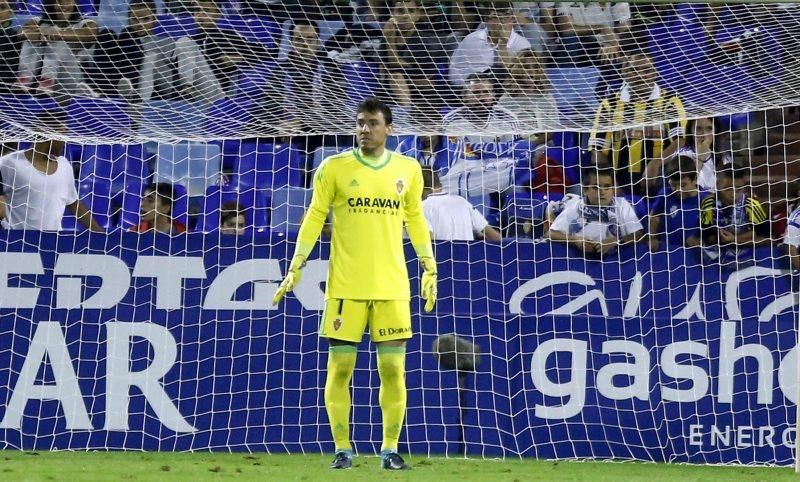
428,288
291,279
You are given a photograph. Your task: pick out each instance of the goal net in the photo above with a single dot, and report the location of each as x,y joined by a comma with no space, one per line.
637,160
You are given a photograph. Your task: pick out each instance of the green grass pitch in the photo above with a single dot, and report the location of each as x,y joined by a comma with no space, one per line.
196,467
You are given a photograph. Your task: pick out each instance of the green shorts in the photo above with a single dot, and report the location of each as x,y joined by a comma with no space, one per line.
346,320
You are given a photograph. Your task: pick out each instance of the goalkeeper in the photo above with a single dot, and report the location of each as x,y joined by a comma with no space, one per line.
374,193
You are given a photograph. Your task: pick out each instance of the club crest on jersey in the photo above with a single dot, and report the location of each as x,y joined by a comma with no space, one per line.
337,323
400,186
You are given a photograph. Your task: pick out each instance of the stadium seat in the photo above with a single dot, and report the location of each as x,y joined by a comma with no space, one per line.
113,14
255,81
96,197
107,118
175,26
483,204
132,203
195,165
253,201
172,119
287,207
362,81
229,117
26,110
324,151
88,8
527,205
253,28
115,164
574,90
268,166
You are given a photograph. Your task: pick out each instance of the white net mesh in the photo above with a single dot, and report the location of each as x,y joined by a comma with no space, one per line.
209,118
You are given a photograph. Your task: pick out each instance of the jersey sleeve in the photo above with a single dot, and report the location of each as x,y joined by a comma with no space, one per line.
314,220
629,222
479,222
416,225
757,216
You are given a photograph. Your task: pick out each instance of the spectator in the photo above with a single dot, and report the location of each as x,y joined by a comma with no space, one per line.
55,47
589,32
491,47
156,211
208,61
416,49
733,222
600,221
232,219
483,134
702,145
10,42
639,99
675,218
527,93
38,184
791,238
535,24
134,63
451,217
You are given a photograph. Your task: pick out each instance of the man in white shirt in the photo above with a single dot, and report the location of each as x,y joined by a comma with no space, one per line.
589,32
600,221
38,183
481,138
451,217
792,238
495,44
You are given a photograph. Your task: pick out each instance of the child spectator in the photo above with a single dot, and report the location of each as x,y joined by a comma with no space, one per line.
600,221
701,144
675,217
54,48
134,63
38,184
733,222
208,61
639,99
232,219
528,93
491,47
156,211
451,217
483,134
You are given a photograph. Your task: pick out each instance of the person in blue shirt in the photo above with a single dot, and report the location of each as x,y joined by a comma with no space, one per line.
675,216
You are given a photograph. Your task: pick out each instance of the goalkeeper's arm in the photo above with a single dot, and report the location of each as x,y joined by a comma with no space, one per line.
420,236
310,229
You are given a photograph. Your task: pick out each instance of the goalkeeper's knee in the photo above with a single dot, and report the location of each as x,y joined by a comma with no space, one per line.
341,363
391,363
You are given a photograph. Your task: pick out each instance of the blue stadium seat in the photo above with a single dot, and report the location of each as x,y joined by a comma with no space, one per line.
324,151
362,81
253,28
25,110
574,90
229,117
132,203
254,81
29,7
268,166
113,14
106,118
176,119
527,205
96,197
87,7
175,26
115,164
287,207
253,201
195,165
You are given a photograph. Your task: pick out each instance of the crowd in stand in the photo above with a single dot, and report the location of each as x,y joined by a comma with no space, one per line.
476,71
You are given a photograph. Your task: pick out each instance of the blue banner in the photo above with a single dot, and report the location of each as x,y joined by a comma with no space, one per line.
123,341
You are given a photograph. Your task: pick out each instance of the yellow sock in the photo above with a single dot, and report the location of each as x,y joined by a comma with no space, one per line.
341,363
392,396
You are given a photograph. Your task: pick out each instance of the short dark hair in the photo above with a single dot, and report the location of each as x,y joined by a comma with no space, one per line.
163,190
597,171
372,106
685,167
230,210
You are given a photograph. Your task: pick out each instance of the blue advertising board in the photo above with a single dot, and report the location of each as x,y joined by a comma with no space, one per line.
122,341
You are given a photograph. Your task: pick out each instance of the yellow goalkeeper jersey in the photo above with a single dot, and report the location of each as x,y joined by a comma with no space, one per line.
371,200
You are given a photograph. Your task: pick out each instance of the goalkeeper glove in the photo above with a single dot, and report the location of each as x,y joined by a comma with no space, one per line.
429,283
291,279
